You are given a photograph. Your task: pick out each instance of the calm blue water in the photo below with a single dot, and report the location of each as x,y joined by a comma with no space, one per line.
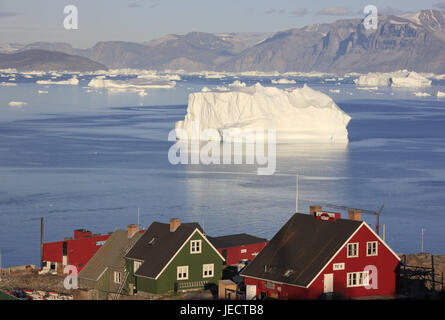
90,159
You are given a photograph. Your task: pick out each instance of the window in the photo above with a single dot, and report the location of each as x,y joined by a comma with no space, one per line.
371,249
358,279
117,277
352,250
339,266
243,250
183,273
137,264
195,246
207,270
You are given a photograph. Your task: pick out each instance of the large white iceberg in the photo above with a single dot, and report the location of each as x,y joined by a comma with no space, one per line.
302,114
402,78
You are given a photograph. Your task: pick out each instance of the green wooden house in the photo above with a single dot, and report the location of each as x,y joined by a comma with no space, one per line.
172,257
104,275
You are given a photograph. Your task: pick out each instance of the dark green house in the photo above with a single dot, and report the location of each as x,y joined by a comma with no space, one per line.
172,257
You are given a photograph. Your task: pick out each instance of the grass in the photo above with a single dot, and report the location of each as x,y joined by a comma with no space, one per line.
5,296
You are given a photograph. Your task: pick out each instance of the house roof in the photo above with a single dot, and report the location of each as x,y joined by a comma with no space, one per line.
111,254
234,240
158,246
301,249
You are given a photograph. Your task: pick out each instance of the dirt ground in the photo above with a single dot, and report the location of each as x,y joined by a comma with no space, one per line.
33,281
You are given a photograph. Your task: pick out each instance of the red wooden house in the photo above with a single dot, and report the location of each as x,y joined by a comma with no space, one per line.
75,251
321,254
237,247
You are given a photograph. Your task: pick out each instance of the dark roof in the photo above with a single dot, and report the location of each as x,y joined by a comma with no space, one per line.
234,240
299,251
158,245
111,254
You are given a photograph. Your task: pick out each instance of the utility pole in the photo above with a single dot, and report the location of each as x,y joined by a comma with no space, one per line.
41,243
1,270
384,232
296,196
421,246
139,214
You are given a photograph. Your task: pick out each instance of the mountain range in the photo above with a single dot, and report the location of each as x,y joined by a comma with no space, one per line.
414,41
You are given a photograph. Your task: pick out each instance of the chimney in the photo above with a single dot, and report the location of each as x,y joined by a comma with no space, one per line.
355,214
314,209
132,229
174,224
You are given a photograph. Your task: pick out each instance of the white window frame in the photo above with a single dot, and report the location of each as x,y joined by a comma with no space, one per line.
180,271
361,279
243,250
117,277
210,268
356,253
193,246
137,265
370,243
338,266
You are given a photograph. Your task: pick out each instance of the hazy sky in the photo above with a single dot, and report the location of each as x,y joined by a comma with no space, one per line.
141,20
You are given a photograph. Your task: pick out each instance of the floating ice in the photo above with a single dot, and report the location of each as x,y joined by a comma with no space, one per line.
440,94
283,81
7,84
237,84
401,78
73,81
131,85
368,88
42,91
18,104
421,94
302,114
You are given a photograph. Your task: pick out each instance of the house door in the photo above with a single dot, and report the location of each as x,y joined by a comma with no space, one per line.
328,283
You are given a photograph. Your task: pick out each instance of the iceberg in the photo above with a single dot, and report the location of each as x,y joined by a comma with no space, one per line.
237,84
283,81
421,94
440,94
7,84
299,115
402,78
131,85
17,104
73,81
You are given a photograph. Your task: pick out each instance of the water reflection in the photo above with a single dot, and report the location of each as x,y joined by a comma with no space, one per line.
234,199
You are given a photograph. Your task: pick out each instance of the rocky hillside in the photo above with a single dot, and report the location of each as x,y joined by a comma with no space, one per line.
414,41
345,46
37,59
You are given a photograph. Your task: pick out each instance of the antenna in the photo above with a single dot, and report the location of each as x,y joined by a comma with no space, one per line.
296,195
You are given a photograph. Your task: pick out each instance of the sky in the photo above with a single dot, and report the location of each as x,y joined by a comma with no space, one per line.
26,21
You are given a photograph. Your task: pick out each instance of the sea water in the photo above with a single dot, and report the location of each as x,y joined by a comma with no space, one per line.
85,158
